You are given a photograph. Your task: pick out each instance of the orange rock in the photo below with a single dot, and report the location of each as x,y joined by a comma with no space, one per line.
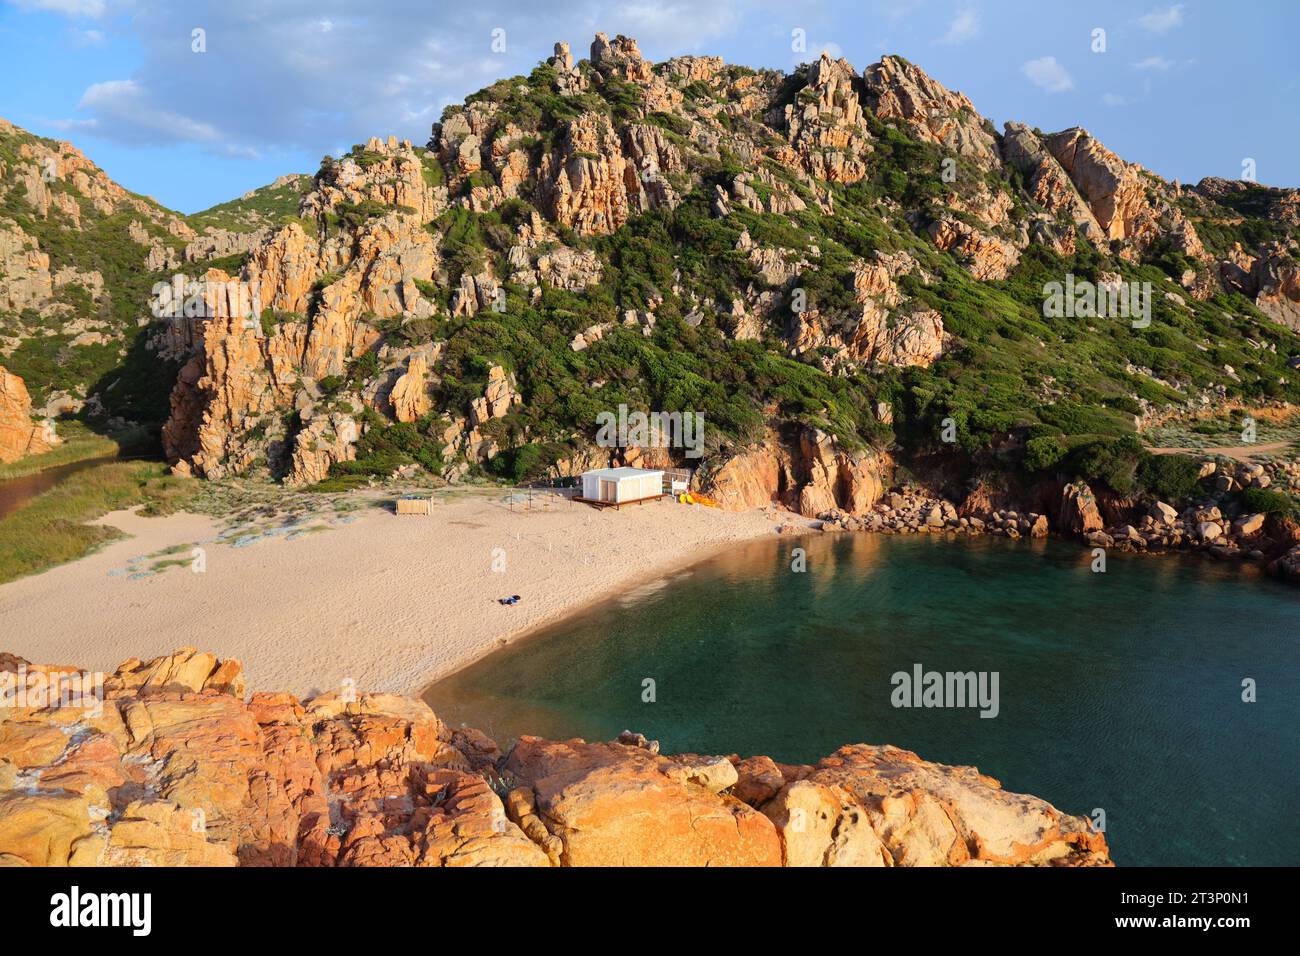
616,805
19,435
897,89
924,814
176,770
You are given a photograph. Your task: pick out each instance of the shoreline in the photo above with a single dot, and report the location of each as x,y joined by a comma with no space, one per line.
510,638
391,603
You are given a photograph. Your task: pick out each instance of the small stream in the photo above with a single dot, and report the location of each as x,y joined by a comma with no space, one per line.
18,492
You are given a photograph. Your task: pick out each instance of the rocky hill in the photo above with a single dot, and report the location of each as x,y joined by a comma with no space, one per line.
171,766
843,270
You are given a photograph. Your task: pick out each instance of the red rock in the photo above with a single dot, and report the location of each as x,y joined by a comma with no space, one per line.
177,771
614,805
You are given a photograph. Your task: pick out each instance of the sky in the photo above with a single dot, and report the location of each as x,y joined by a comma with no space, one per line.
197,102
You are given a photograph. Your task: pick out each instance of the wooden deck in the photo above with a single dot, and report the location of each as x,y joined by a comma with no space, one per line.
616,505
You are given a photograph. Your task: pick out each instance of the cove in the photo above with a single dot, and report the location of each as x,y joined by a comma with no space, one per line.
1119,691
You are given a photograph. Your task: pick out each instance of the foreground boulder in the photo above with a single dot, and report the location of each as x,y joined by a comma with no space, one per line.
164,763
621,805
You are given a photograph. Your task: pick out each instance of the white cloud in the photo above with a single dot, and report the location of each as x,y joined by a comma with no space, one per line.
308,75
72,8
1156,63
1162,21
964,26
1114,99
126,104
1048,75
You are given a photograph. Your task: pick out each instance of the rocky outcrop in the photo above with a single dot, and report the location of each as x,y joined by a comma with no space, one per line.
328,436
596,181
410,394
230,383
810,472
1049,184
1079,514
885,331
538,257
620,57
836,477
825,127
180,770
25,269
385,171
164,763
752,478
19,435
984,255
1123,198
623,805
899,90
242,373
1112,188
466,435
1274,281
882,806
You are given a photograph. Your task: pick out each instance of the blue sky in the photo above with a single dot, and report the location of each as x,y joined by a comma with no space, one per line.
1188,89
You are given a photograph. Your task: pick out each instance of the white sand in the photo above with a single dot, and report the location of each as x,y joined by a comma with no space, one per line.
390,602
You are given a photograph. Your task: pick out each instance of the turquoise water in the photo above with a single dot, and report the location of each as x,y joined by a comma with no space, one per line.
1119,691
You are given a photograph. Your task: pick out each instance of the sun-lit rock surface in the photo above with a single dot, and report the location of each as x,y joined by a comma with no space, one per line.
171,766
19,434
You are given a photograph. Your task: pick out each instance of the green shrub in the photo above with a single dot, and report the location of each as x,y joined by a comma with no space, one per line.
1268,501
1170,478
1043,454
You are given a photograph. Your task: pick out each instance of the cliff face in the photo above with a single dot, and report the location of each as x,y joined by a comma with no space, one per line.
19,435
808,472
176,768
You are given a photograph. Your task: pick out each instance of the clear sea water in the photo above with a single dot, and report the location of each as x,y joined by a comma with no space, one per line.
1120,691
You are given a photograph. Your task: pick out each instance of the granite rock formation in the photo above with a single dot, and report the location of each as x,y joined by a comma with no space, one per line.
165,763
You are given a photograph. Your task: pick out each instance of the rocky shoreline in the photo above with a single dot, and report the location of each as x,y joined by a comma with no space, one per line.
1224,534
810,474
166,763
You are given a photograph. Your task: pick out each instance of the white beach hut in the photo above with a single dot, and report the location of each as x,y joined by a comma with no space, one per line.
621,486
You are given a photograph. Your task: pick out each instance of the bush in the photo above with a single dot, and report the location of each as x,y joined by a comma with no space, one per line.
1268,501
1110,460
1170,478
1043,454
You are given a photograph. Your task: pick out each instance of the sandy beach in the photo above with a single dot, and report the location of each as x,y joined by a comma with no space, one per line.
389,602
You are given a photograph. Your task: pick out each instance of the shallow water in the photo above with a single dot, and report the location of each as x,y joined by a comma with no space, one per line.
1120,691
17,492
